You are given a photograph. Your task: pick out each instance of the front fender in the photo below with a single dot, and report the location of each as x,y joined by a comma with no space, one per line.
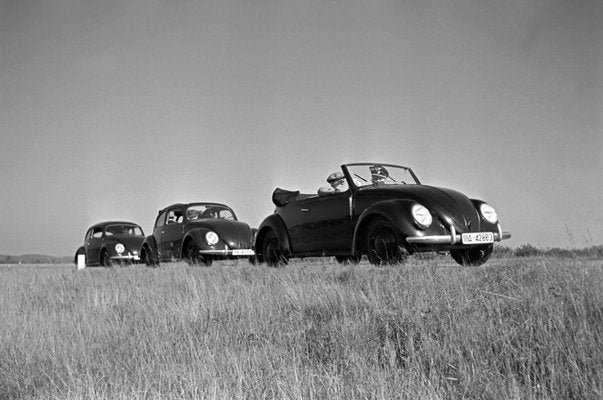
198,236
397,212
487,226
272,223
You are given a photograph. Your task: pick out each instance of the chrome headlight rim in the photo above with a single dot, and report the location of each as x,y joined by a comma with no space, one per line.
421,215
488,213
211,238
120,248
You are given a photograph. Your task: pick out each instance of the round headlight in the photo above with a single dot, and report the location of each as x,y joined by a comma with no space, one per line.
119,248
489,213
211,238
422,216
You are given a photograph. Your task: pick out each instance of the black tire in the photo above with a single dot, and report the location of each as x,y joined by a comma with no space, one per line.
272,252
106,260
473,257
193,257
382,247
147,258
348,260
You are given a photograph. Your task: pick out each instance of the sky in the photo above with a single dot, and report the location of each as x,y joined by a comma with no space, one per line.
114,109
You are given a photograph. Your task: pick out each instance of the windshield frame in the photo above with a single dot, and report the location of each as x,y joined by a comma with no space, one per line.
359,176
207,206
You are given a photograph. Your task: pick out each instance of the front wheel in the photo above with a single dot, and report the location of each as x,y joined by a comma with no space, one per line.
106,260
193,257
474,256
272,252
382,245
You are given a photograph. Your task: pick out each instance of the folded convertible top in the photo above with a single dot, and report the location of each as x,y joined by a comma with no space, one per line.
280,197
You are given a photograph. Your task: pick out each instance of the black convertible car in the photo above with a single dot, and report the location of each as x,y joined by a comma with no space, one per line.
198,233
381,211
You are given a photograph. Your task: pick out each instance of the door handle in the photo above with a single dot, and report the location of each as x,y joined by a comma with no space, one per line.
304,210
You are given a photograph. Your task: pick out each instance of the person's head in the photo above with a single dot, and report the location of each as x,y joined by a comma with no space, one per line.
337,181
192,214
378,173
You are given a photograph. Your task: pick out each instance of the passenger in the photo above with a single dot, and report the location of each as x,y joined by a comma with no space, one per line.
378,174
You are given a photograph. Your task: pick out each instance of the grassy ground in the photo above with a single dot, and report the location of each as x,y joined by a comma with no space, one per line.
516,328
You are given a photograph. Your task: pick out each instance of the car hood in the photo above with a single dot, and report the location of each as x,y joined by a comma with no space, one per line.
450,206
236,234
132,243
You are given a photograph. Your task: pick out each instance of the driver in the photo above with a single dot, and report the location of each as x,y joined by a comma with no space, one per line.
378,174
337,182
192,214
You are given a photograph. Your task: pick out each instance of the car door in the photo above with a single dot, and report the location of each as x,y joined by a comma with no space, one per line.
171,234
93,244
324,224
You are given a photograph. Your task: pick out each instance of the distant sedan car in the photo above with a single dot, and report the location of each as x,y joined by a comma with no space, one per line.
199,233
111,242
381,211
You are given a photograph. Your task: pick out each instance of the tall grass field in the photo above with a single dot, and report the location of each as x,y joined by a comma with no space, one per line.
516,328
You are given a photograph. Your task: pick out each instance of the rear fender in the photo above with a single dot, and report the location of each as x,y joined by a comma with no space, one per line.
272,223
149,245
397,212
80,250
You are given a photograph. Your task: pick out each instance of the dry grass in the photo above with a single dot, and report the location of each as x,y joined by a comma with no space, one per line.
526,328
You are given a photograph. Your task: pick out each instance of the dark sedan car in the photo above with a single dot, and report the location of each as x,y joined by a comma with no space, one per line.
111,242
381,211
198,233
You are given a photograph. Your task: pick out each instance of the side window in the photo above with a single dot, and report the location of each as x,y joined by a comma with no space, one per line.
97,233
89,234
175,217
160,220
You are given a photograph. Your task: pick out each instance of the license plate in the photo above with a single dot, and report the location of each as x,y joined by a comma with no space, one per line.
243,252
477,237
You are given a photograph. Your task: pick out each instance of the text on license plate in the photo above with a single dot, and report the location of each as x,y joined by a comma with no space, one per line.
243,252
477,237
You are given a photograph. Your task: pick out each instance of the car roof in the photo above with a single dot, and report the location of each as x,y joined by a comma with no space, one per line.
105,223
184,205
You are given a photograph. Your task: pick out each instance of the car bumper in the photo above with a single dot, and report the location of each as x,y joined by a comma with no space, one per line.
126,257
228,253
452,238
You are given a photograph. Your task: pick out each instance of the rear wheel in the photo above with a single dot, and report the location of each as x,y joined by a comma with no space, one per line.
272,252
147,257
382,245
193,257
474,256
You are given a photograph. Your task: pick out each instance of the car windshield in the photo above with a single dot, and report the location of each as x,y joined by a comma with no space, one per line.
203,211
123,229
381,174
